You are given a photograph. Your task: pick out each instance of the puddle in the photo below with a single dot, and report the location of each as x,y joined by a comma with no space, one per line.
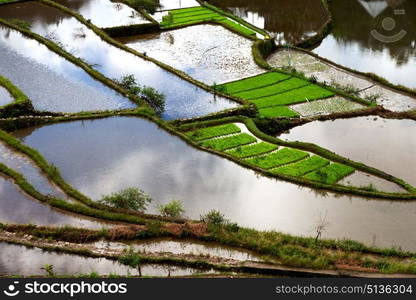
183,99
290,21
353,44
105,13
5,97
381,143
323,72
32,173
17,207
20,260
216,56
55,84
188,247
104,156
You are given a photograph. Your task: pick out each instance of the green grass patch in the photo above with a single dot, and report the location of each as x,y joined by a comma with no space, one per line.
277,111
254,82
252,150
284,86
188,10
211,132
307,93
229,142
331,174
303,167
279,158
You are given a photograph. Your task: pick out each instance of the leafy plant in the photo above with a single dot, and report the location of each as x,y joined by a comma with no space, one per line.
214,217
130,198
172,209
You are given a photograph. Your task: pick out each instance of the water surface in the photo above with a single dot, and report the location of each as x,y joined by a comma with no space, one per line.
105,13
51,82
5,97
352,43
290,21
183,99
17,207
381,143
20,260
103,156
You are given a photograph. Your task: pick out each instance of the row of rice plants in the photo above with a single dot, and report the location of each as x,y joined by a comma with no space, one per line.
195,15
212,132
229,142
286,161
303,167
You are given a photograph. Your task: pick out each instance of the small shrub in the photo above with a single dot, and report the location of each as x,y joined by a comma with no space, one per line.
130,198
172,209
49,270
214,217
130,258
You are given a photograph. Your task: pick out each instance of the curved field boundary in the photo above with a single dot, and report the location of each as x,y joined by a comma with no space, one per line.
21,104
312,148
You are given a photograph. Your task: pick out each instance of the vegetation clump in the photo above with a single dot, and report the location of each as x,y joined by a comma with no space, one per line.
155,99
172,209
130,198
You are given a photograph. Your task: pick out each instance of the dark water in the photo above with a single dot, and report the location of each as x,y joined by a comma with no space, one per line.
183,99
384,144
5,97
103,156
19,260
292,21
16,207
51,82
352,43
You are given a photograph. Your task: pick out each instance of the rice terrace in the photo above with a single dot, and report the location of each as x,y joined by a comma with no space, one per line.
221,138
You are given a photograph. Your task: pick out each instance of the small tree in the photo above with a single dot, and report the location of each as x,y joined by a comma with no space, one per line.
320,227
172,209
214,217
130,198
131,259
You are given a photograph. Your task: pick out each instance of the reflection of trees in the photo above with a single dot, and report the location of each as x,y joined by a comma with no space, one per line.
32,12
354,24
294,18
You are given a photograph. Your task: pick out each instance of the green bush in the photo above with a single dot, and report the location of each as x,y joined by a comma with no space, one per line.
172,209
214,217
130,198
130,258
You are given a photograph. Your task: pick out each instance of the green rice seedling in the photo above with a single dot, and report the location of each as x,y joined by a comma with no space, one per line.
303,167
304,94
331,174
237,27
279,158
188,10
284,86
254,82
277,111
252,150
211,132
229,142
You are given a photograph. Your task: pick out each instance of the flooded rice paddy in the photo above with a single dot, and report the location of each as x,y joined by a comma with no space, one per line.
333,75
105,13
30,171
217,56
187,247
5,97
120,152
290,22
17,207
381,39
183,100
19,260
55,84
380,143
